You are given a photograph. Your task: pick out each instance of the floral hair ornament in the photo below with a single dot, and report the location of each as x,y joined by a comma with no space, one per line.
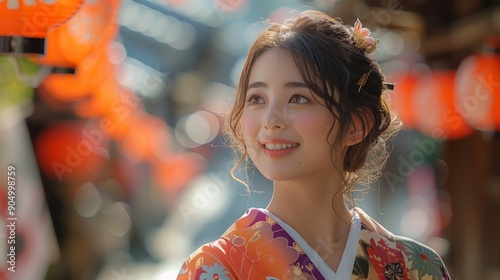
362,39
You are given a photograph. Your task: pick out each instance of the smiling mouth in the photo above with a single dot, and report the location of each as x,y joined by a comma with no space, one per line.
278,146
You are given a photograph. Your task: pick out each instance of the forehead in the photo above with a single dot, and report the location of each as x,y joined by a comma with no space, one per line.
275,64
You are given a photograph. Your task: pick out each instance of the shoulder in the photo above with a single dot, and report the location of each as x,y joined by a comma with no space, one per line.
207,261
422,260
398,255
233,255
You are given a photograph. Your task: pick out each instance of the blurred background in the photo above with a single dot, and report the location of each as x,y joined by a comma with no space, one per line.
110,130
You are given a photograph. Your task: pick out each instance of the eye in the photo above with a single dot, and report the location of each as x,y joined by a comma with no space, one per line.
255,99
298,99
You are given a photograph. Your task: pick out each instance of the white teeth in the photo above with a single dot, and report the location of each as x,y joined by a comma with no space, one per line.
278,146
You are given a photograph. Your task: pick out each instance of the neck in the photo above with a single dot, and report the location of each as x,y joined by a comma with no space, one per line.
315,206
316,210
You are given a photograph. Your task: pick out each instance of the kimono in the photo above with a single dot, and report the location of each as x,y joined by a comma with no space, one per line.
261,246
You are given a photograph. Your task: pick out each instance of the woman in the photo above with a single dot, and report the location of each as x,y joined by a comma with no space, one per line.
311,114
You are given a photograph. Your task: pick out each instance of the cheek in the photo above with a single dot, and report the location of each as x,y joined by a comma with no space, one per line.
318,124
246,123
250,125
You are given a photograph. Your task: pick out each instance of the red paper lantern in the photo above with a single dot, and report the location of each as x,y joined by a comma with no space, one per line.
436,112
478,91
90,73
18,18
71,151
93,27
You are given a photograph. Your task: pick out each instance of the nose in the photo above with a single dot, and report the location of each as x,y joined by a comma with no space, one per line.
275,118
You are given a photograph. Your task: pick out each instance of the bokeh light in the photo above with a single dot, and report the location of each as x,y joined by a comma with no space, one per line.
197,129
88,200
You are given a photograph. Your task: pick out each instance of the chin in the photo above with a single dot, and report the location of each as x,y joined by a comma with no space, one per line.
277,175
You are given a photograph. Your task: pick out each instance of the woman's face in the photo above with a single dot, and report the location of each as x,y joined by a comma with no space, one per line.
284,127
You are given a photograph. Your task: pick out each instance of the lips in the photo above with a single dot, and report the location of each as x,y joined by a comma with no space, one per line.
275,148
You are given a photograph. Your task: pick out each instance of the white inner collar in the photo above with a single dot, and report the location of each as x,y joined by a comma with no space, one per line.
346,265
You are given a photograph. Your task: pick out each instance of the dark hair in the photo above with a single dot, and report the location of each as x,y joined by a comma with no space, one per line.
331,65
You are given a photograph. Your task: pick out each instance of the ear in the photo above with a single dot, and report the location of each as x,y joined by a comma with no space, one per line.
361,126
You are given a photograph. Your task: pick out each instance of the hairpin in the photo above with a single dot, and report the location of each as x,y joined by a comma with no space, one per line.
389,86
363,79
362,39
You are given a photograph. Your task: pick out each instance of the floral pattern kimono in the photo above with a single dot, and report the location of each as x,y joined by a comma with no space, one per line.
261,246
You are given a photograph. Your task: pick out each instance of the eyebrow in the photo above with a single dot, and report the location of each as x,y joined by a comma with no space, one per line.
287,85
